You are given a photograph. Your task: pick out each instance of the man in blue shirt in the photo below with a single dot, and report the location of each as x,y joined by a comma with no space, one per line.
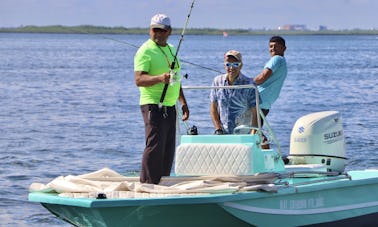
230,108
271,79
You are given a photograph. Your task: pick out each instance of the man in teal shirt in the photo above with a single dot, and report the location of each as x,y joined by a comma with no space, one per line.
152,69
271,79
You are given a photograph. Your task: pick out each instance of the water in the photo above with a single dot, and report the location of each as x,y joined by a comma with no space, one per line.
69,105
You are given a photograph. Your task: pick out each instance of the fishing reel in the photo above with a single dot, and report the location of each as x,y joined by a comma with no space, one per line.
173,78
192,131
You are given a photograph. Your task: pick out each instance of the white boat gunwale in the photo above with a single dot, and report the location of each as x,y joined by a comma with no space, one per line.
338,182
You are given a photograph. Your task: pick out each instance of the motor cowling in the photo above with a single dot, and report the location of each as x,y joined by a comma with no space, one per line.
318,138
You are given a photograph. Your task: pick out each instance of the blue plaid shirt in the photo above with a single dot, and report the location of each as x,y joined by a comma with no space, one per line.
234,105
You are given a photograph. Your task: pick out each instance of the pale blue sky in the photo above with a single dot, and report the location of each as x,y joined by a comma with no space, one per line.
223,14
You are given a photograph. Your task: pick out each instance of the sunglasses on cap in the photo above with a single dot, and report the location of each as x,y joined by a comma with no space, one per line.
232,64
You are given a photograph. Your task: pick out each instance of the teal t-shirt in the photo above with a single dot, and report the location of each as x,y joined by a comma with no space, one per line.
156,60
271,88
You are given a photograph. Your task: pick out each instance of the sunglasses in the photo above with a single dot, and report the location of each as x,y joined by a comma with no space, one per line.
232,64
159,30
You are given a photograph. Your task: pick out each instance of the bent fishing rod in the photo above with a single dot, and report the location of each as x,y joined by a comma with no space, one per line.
171,71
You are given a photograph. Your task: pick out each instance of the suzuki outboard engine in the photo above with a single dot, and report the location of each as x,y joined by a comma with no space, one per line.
318,138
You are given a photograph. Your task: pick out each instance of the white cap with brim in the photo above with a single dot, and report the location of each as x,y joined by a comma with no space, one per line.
160,21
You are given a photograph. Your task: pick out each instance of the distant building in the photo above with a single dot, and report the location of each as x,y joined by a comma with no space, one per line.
323,28
293,27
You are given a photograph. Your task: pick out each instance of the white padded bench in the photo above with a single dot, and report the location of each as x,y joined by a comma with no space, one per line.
213,159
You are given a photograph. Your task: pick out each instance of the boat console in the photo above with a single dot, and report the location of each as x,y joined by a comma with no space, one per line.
224,155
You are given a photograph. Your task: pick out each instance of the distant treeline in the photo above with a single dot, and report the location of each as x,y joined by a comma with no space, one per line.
89,29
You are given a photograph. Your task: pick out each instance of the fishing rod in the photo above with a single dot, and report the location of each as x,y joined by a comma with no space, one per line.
172,73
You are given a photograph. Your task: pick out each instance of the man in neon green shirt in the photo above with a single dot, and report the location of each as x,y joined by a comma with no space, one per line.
152,66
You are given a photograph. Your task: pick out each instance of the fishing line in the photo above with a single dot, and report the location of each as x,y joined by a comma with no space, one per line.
171,71
105,37
201,66
136,46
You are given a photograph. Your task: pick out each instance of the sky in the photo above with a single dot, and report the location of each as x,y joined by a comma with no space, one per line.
221,14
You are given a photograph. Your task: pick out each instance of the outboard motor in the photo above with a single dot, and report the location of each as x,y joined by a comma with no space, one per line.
318,138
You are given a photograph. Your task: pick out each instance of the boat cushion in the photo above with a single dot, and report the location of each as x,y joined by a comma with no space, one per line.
213,159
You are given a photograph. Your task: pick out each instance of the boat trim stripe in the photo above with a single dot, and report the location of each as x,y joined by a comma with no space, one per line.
298,212
318,155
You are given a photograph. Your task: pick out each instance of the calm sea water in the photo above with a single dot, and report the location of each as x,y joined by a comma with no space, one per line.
69,105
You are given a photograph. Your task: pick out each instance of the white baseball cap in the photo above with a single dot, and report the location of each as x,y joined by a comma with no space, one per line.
160,21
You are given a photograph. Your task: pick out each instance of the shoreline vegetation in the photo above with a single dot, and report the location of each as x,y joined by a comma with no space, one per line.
90,29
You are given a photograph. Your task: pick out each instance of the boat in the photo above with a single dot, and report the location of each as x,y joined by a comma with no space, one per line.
230,180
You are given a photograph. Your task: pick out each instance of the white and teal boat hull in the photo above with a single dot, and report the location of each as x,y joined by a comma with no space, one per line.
144,212
312,190
336,200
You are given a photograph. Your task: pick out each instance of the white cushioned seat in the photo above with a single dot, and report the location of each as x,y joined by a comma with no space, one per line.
213,159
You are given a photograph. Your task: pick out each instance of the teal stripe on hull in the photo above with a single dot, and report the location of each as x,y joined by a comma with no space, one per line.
321,203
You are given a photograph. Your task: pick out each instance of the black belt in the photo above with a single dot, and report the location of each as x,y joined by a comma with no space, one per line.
164,109
156,106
